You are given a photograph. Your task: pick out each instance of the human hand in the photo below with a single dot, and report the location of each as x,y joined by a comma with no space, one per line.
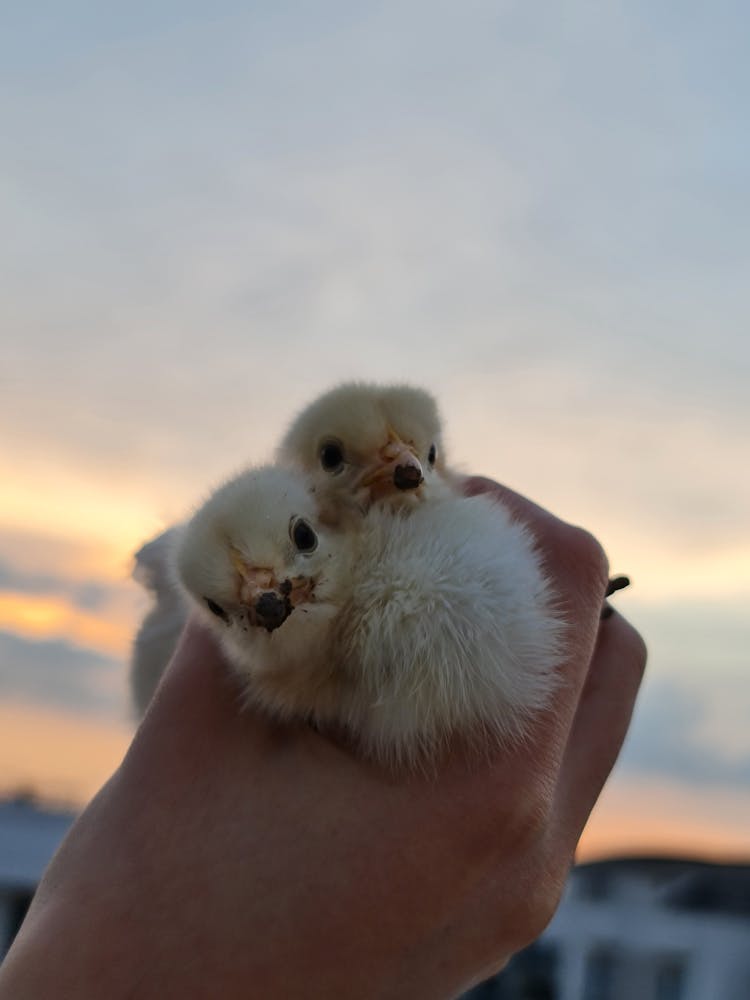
231,857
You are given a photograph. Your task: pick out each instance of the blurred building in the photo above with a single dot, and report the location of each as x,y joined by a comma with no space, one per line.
639,929
29,836
626,929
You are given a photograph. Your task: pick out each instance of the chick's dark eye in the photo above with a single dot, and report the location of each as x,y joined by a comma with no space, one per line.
304,538
332,456
216,609
432,454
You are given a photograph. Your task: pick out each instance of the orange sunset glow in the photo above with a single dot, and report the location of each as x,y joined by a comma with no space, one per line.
62,757
653,816
39,617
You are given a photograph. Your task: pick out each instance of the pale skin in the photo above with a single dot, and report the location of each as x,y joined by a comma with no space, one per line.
229,857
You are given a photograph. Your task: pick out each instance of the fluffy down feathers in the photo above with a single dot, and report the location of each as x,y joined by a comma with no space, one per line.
449,628
238,549
160,630
370,433
353,586
420,626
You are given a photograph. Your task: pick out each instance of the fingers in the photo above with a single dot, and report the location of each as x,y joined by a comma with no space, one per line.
600,723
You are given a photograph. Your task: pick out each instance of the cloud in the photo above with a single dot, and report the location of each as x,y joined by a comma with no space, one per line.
61,555
90,595
673,734
59,675
694,639
45,594
541,217
554,183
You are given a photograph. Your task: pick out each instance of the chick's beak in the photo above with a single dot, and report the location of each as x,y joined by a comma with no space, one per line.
395,470
267,603
271,610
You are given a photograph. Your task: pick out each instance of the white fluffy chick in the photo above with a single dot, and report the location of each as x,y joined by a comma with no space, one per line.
160,630
268,579
363,443
360,444
450,628
416,628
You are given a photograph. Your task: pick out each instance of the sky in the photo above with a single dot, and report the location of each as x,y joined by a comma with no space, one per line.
539,213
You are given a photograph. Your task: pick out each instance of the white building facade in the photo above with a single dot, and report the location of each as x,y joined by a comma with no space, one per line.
654,930
626,929
639,929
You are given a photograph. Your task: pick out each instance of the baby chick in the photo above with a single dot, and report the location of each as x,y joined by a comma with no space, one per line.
360,444
160,630
449,629
370,460
416,628
268,579
363,443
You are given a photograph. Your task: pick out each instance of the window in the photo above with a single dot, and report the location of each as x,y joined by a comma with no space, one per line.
601,970
670,979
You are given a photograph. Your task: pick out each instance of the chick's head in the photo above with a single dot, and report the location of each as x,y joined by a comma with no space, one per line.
254,555
362,443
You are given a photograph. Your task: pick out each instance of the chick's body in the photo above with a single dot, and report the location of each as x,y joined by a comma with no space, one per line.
449,628
418,627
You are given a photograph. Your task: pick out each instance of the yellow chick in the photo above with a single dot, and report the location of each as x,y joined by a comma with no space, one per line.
417,628
359,444
267,578
363,443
